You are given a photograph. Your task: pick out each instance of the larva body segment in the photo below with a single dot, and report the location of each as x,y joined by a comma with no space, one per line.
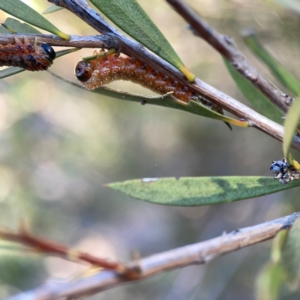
105,69
27,55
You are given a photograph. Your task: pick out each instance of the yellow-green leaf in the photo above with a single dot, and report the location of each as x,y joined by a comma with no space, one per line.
131,18
195,191
290,126
20,27
169,101
65,52
269,282
291,256
24,12
284,76
4,30
278,245
261,103
51,9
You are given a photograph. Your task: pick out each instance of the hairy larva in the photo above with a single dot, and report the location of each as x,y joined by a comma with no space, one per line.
105,69
29,56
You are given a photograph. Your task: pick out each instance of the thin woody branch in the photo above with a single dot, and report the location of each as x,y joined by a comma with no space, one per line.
226,47
134,49
100,41
51,248
199,253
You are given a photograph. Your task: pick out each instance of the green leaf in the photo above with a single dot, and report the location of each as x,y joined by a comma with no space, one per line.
272,276
10,72
198,109
261,103
269,282
290,126
4,30
130,17
20,27
291,256
278,245
169,101
166,100
52,8
65,52
24,12
196,191
286,78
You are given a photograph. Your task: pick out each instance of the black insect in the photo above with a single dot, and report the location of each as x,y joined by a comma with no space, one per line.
284,171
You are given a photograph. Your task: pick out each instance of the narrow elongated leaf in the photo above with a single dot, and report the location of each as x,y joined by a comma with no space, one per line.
4,30
291,256
269,282
61,53
130,17
272,276
196,191
169,101
261,103
52,8
284,76
164,100
24,12
10,72
199,109
290,126
20,27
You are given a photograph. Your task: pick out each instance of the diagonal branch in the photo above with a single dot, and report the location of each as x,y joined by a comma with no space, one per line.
199,253
226,47
134,49
51,248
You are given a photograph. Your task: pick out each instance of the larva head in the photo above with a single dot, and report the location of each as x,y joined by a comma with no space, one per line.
48,50
83,71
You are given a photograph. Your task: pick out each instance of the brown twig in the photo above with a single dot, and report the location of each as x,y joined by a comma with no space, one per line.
100,41
51,248
199,253
226,47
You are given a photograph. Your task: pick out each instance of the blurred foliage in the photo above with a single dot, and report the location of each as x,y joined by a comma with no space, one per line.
24,12
260,102
286,78
60,144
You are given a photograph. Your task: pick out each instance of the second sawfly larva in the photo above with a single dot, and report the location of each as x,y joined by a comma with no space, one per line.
27,55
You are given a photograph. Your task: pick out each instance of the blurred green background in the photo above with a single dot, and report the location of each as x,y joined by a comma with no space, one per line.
60,144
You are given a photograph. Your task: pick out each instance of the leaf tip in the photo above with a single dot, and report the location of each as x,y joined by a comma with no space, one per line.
63,35
187,73
239,123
